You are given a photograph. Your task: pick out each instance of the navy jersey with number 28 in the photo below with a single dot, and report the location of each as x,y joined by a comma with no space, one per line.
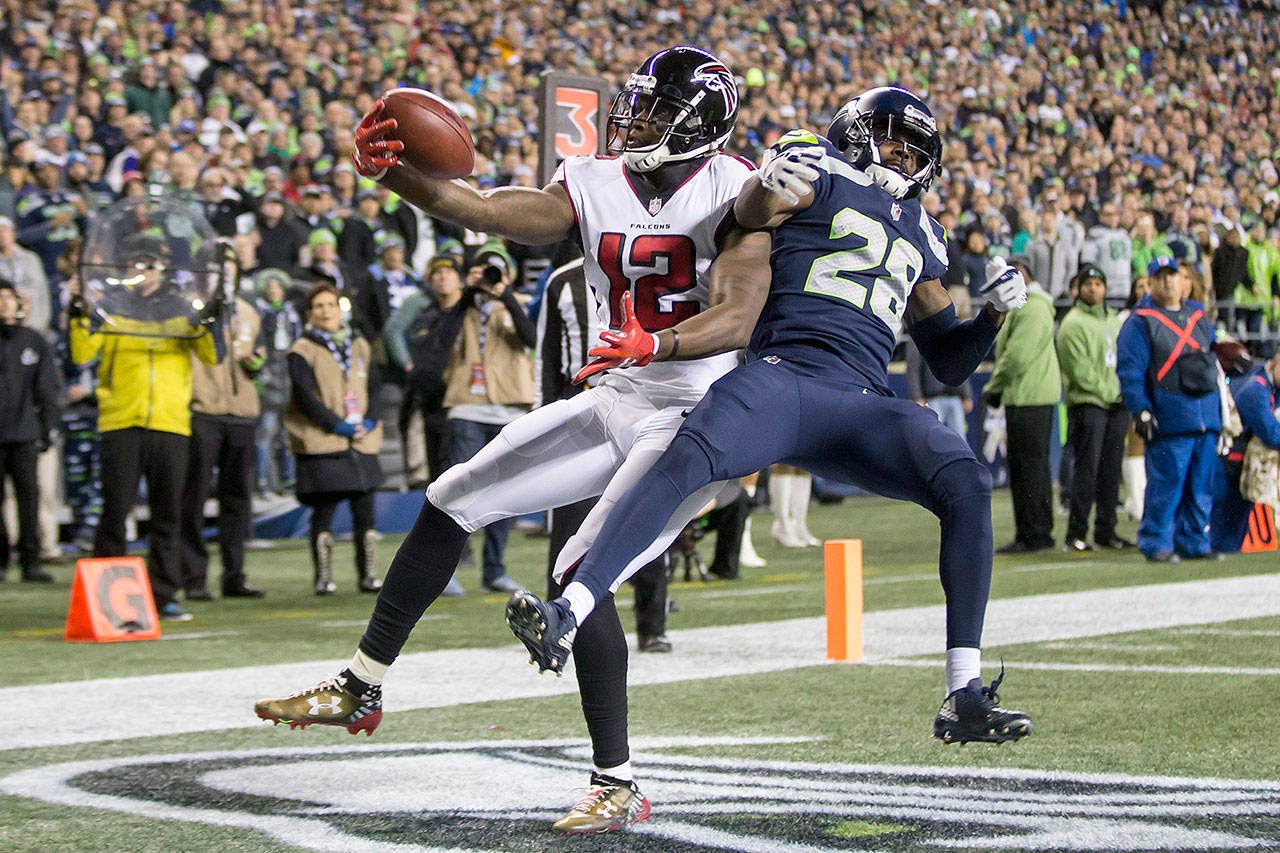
843,270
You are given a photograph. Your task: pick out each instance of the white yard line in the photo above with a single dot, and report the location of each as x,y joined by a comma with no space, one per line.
1227,632
140,706
1105,667
1110,647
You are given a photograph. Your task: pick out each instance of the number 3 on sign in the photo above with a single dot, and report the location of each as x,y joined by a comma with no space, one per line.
834,274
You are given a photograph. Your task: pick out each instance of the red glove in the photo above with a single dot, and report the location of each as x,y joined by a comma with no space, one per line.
630,345
374,154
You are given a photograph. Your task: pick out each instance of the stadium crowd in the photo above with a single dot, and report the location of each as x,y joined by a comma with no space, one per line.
1112,133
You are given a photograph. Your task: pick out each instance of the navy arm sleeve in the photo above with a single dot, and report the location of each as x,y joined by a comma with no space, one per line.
953,349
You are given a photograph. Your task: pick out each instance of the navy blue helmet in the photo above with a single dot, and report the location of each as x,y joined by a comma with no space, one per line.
890,113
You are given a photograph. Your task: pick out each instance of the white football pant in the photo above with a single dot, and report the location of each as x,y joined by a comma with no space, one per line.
598,443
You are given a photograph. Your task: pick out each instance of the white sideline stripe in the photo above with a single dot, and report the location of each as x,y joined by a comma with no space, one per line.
141,706
1111,647
1106,667
1227,632
743,593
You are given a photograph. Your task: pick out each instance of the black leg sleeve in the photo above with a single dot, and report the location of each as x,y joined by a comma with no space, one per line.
419,572
600,660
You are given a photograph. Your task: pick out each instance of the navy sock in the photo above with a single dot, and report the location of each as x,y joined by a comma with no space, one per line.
962,495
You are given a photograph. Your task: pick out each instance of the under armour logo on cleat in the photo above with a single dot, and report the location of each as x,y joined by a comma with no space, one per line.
333,706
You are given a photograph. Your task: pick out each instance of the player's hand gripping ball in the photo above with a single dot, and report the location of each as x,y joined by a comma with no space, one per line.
418,127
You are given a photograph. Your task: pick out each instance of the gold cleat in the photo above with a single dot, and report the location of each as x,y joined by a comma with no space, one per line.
329,703
611,804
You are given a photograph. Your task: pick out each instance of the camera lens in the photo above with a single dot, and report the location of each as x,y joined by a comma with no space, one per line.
492,275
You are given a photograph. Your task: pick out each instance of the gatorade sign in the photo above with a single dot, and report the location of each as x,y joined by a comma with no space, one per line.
111,601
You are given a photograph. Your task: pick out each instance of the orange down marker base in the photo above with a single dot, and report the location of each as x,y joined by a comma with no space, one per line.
1261,534
843,558
111,601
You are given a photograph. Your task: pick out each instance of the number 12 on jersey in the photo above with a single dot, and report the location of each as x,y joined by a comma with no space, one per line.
661,267
838,273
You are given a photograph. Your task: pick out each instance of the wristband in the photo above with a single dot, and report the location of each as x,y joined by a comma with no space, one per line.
675,345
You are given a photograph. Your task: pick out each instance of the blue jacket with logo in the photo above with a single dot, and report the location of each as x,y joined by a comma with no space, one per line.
1175,413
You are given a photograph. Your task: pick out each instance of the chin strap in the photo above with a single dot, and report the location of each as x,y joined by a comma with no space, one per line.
647,161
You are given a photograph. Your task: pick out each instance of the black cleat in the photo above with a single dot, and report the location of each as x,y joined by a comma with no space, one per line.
971,713
546,628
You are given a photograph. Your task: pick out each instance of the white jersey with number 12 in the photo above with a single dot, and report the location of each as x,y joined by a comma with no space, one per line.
659,250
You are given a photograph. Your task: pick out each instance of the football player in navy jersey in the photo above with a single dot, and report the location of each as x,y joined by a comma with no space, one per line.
855,259
656,226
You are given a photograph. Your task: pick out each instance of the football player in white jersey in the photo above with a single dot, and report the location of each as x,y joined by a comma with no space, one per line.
650,221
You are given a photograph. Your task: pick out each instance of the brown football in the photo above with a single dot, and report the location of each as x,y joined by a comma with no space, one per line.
436,142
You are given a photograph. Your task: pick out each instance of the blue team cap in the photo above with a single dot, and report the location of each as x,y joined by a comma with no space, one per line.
1164,262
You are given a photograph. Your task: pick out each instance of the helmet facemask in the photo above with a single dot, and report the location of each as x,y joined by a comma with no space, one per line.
908,173
674,120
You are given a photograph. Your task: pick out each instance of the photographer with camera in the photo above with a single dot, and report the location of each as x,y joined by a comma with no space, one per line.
489,380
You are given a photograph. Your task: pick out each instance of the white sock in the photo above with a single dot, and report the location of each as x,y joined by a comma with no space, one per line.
580,599
963,665
622,772
367,669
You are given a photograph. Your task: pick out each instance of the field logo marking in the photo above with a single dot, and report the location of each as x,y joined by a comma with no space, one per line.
419,795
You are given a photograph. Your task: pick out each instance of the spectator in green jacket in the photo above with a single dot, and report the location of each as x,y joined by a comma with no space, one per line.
148,93
1254,300
1097,421
1148,244
1027,383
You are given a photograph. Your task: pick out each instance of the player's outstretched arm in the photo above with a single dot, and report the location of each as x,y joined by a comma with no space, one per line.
526,215
782,188
952,349
523,214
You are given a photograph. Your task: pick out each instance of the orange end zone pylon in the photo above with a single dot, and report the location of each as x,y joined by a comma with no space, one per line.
111,601
1261,533
843,559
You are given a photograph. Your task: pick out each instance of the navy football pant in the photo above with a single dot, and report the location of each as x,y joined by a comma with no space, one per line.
1229,520
774,411
1179,499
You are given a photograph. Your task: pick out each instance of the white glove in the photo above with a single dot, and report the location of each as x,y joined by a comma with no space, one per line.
790,173
1005,289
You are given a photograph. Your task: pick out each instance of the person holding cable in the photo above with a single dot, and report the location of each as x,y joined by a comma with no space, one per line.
144,333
